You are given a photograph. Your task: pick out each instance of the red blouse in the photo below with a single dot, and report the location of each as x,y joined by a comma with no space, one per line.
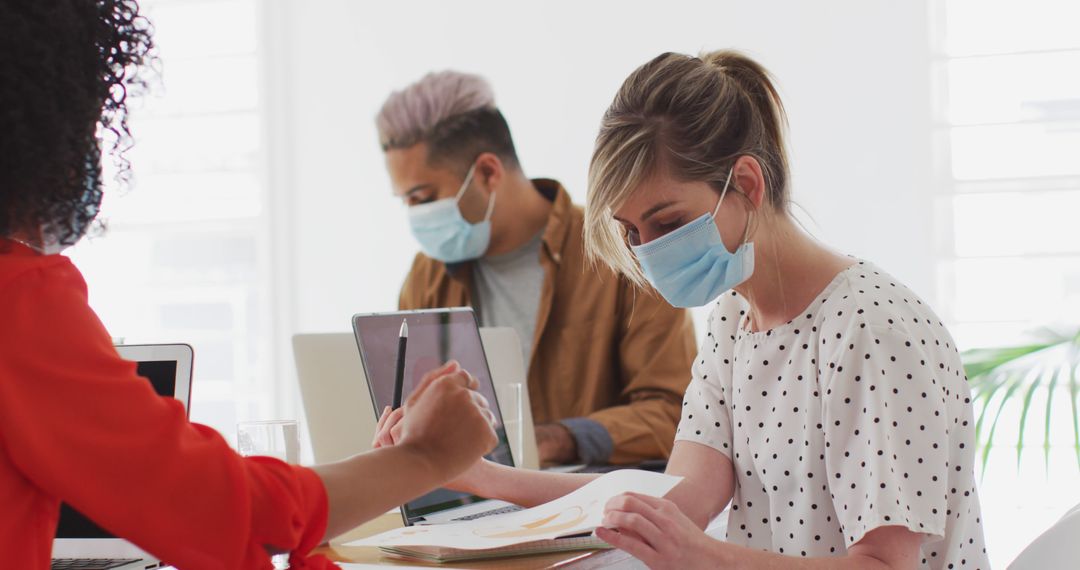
75,418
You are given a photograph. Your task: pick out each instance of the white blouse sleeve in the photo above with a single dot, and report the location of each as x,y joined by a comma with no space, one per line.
886,432
705,416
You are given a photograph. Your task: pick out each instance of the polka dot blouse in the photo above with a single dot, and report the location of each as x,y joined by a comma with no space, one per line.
854,415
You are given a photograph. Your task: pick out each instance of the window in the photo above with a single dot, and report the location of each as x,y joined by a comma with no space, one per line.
185,256
1008,134
1010,168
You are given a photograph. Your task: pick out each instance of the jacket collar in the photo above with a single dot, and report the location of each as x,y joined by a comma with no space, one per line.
555,232
558,224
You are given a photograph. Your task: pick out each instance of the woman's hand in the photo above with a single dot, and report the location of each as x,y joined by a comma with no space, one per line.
392,424
447,421
389,429
445,429
656,532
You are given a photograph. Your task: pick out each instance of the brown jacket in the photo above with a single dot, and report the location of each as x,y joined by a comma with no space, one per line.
603,349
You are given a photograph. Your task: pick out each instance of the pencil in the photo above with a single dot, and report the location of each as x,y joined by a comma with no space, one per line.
399,376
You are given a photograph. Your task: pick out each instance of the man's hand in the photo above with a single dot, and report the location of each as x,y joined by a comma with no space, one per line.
555,444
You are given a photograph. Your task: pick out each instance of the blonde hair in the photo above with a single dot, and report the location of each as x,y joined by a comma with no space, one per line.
692,118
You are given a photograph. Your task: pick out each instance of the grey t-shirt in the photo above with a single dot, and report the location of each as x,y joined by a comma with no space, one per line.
508,295
508,291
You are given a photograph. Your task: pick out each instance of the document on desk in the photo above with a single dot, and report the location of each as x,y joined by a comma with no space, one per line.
562,525
354,566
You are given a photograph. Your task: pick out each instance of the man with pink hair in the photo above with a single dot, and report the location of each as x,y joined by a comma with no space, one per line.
607,363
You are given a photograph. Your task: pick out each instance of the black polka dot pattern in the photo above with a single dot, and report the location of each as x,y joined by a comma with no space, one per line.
854,415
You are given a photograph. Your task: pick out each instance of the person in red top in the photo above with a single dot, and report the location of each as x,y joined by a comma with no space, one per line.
74,416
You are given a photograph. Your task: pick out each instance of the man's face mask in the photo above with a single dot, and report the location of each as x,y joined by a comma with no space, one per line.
444,234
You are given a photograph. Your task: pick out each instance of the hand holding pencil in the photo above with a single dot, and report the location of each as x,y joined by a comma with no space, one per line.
445,418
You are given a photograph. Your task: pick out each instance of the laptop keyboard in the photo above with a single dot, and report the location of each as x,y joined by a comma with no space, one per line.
90,563
499,511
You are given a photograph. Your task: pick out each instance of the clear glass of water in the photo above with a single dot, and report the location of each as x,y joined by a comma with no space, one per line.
274,438
511,402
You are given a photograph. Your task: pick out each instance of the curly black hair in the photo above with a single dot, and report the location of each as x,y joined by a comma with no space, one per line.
66,67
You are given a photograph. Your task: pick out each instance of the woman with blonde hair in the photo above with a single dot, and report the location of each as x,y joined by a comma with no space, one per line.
828,407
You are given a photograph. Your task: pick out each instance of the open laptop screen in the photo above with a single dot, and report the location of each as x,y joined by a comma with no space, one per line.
162,375
435,336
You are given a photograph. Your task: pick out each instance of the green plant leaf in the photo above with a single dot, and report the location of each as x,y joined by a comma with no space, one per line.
1037,378
985,388
983,360
1015,381
1055,375
1073,390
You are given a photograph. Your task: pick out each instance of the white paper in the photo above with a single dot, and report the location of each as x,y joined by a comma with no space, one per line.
578,512
355,566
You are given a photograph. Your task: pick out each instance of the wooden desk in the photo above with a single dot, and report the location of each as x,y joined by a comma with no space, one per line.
337,552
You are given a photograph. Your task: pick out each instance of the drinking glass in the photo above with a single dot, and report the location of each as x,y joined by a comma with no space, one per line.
511,402
274,438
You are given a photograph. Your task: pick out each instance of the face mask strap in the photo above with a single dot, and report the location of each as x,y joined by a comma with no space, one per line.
468,179
465,186
746,234
491,206
724,192
749,213
36,248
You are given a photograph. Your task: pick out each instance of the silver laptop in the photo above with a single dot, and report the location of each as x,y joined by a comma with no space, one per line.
435,336
82,544
340,417
337,404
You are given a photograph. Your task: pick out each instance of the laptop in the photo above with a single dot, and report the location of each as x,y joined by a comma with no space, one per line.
340,417
79,542
337,404
435,336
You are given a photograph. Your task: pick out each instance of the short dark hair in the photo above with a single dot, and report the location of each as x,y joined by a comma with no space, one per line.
458,140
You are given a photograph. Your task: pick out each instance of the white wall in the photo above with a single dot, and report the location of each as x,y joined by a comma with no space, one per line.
854,75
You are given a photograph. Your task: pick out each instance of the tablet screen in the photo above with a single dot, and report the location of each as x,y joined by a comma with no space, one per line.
435,337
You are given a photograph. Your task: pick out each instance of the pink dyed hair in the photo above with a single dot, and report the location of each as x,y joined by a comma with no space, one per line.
408,116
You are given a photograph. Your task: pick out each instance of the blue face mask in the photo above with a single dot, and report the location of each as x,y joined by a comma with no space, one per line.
691,266
444,234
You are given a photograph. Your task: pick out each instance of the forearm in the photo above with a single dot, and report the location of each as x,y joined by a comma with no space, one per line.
734,557
365,486
522,486
708,481
701,503
884,548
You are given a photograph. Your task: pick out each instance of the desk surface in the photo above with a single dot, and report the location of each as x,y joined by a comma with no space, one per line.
338,552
